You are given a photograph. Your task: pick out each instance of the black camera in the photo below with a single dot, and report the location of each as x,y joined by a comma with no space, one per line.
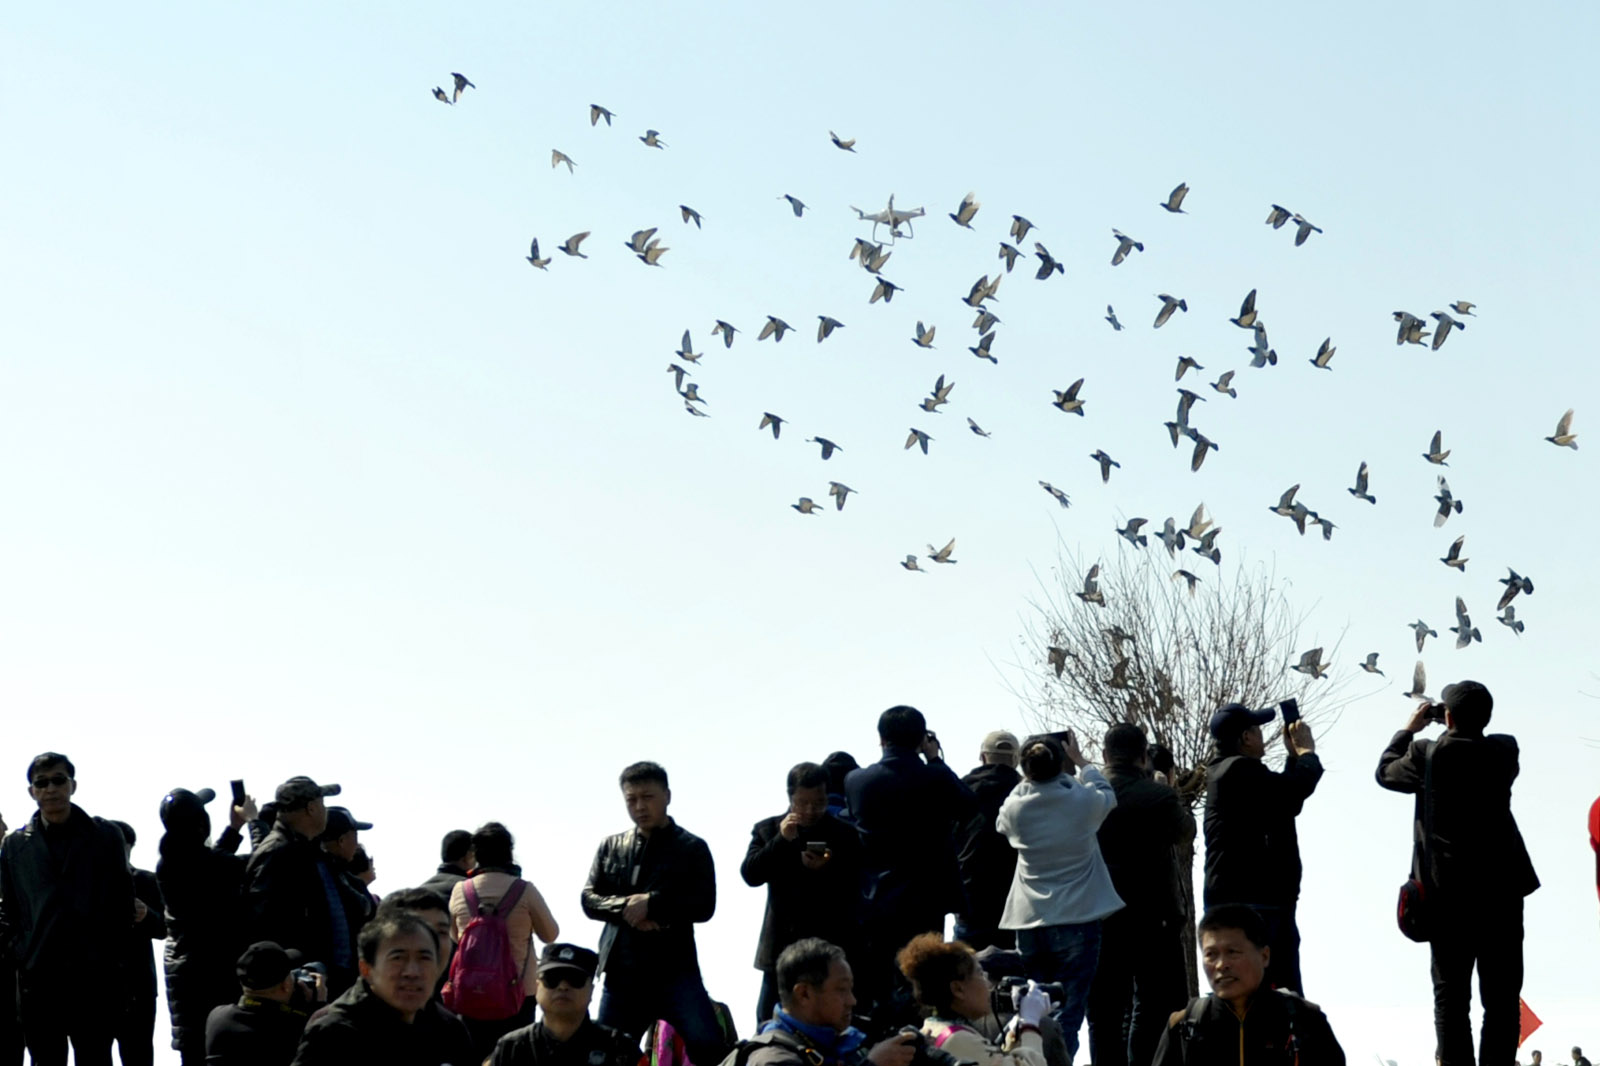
1055,990
925,1054
1161,760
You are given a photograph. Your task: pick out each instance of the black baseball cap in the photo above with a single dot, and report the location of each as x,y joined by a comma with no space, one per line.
568,957
340,822
1231,719
299,791
265,965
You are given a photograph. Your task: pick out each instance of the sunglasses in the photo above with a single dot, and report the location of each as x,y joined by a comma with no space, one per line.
554,979
53,781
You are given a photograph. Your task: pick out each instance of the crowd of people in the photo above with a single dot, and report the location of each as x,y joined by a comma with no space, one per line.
1062,876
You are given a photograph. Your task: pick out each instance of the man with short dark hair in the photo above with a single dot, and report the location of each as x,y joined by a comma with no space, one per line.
564,1035
650,885
1472,864
434,910
135,1030
987,859
1252,850
812,1026
66,899
908,806
1577,1057
1244,1020
389,1015
810,862
293,897
1141,977
455,863
263,1028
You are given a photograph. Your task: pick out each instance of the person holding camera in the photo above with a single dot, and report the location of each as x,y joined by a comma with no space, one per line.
908,806
1062,889
810,862
1471,862
263,1028
1252,850
812,1025
953,990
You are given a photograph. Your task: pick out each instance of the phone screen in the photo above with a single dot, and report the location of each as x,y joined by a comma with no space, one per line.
1291,711
238,793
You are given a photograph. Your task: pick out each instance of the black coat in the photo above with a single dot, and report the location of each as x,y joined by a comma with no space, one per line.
66,897
140,966
674,867
286,901
444,880
1252,850
253,1032
1261,1038
908,812
1477,852
1138,841
824,903
592,1045
359,1029
201,887
988,861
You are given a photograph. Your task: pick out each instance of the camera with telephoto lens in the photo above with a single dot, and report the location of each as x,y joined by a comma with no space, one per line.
925,1054
1008,986
308,979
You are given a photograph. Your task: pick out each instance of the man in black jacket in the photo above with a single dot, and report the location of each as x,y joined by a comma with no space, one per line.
293,897
66,897
264,1027
988,861
1476,872
455,862
908,806
1244,1021
135,1030
650,885
810,862
1252,850
564,1035
1141,978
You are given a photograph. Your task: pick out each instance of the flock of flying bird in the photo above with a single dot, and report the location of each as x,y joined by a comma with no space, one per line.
872,256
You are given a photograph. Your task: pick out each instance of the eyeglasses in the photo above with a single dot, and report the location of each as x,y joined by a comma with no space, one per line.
53,781
553,979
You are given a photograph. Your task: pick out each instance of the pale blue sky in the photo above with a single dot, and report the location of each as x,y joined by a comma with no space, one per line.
308,471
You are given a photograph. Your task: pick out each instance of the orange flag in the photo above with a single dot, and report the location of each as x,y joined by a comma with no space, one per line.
1530,1022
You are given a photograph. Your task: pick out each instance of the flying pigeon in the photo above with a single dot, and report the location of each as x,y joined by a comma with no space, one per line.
1202,445
1224,385
570,245
1423,632
884,290
943,554
687,353
1091,587
691,393
838,142
1324,355
1111,317
1564,437
1247,312
1419,682
1360,491
1453,559
825,327
963,214
1442,330
596,113
557,157
1514,583
1192,578
941,395
1058,659
727,332
690,214
1447,503
979,430
1311,664
1175,199
986,321
828,447
653,139
1009,253
1068,401
1433,454
924,337
805,506
794,204
1410,331
1304,230
1171,536
775,328
1370,665
1125,244
911,564
1277,216
680,372
1131,534
1060,496
533,256
462,84
981,349
1186,364
839,491
442,96
1106,463
770,419
1508,618
1047,263
919,438
1463,629
1020,227
1463,307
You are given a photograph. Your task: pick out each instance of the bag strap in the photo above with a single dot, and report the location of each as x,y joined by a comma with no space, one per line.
509,900
1427,814
470,894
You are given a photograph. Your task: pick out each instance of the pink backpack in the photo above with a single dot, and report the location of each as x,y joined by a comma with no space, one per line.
485,983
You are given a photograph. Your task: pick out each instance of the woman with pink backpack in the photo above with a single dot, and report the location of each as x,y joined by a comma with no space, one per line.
494,916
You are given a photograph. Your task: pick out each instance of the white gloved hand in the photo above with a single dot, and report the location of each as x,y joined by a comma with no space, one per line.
1032,1005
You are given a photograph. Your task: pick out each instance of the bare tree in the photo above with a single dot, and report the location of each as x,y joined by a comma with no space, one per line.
1139,643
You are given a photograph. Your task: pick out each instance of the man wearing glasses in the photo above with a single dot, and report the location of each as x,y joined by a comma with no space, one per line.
66,895
564,1035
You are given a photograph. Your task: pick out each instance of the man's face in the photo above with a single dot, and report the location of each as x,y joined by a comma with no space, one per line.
405,972
808,805
342,847
1252,743
1233,965
647,804
569,999
830,1003
439,922
52,790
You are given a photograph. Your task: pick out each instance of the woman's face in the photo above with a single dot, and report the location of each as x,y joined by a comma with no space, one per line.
969,996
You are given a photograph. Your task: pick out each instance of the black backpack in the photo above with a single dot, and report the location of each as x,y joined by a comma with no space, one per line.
740,1055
